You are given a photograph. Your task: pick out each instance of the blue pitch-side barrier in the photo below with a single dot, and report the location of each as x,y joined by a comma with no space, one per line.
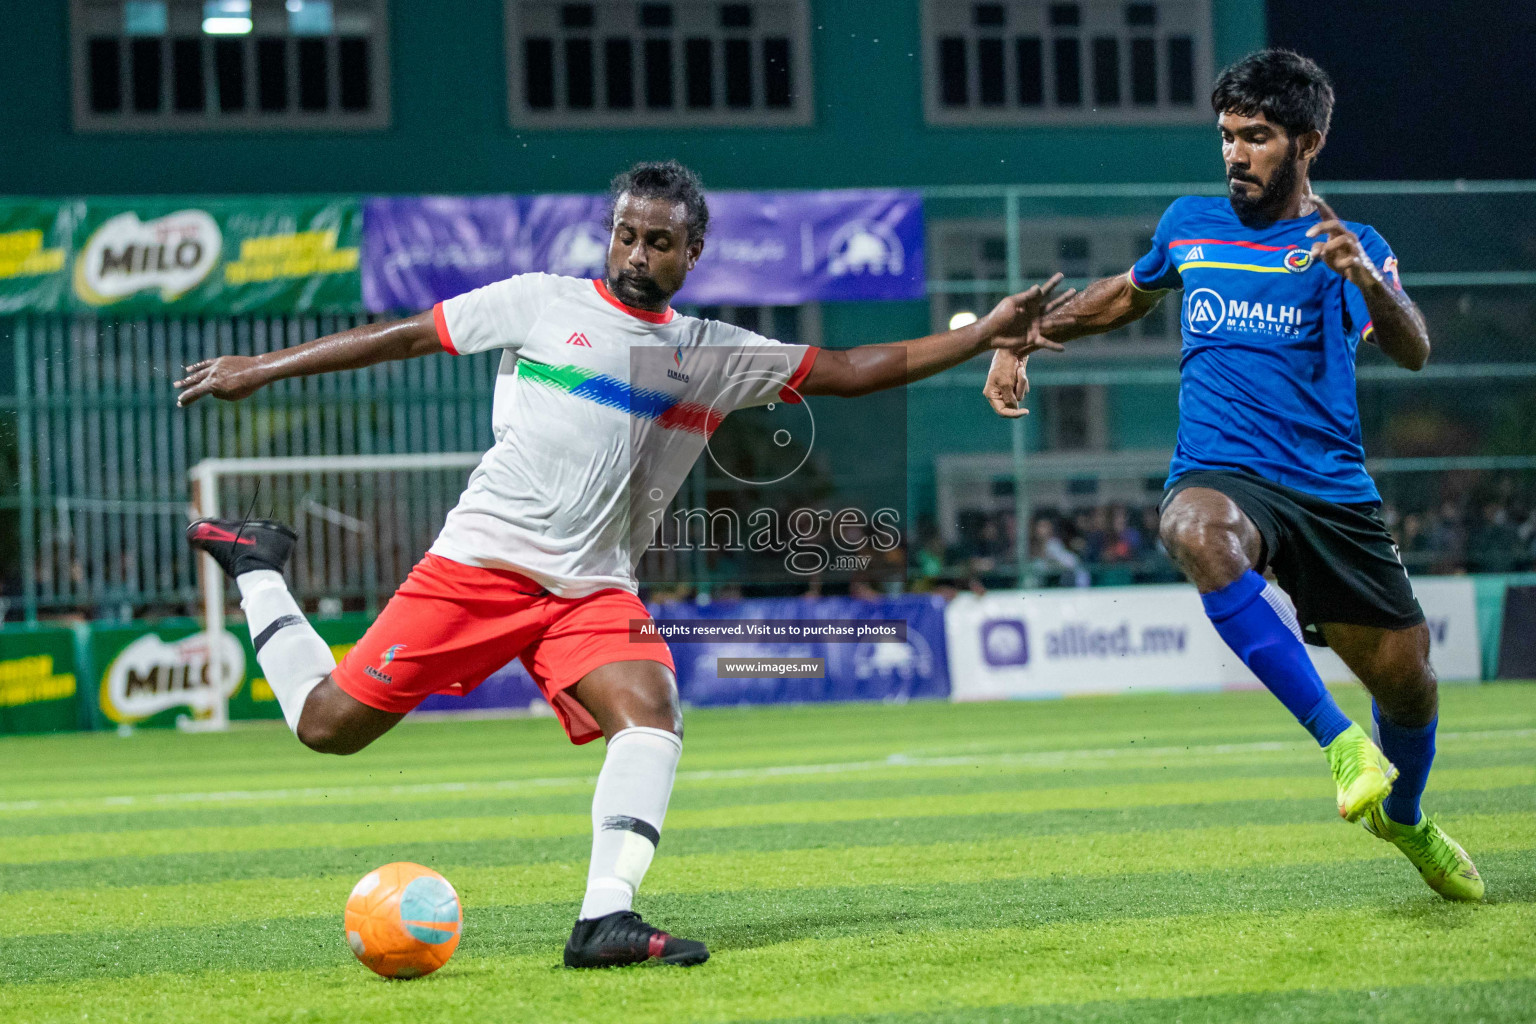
917,668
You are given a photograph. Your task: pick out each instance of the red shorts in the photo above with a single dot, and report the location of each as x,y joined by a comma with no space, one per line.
450,625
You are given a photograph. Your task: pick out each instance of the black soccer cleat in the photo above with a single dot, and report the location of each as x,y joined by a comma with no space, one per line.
622,938
241,547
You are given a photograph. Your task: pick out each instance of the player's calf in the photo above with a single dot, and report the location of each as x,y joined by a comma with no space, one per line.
291,654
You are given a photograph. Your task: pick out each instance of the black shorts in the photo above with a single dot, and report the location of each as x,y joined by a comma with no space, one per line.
1337,562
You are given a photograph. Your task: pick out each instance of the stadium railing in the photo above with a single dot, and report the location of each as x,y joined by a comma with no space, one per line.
95,458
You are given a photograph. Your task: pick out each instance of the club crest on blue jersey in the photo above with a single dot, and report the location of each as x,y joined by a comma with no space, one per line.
1298,260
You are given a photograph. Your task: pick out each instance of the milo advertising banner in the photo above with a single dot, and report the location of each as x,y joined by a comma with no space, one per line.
35,240
38,687
216,256
151,677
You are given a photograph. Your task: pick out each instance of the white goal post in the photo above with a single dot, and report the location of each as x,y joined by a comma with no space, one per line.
318,486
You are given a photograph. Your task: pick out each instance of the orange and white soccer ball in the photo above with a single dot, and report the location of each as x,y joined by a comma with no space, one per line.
403,920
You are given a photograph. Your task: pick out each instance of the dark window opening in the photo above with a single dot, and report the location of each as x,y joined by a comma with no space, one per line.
656,15
1143,72
105,57
1181,71
272,74
953,91
658,73
619,69
1141,15
699,61
353,71
777,90
188,88
578,74
735,16
1069,73
738,73
989,16
314,75
147,74
229,74
1066,15
991,87
1106,71
1031,71
539,73
577,15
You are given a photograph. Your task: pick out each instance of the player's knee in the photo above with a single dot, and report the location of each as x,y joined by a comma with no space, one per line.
326,736
1209,549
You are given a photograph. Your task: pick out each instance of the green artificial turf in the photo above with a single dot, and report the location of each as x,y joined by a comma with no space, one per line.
1127,859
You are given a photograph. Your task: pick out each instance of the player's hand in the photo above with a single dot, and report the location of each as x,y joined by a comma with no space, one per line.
1341,250
1014,323
228,377
1007,384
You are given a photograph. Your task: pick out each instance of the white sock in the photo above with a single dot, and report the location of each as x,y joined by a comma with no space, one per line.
627,811
290,652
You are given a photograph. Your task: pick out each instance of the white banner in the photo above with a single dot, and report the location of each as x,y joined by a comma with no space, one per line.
1051,643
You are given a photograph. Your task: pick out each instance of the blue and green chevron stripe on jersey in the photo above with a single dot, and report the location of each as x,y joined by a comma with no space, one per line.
614,393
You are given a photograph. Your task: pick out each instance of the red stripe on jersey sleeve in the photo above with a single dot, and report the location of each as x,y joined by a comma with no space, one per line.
790,391
441,323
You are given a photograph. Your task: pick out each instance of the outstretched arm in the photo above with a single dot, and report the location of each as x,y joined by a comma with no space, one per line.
1397,326
1104,305
235,377
859,371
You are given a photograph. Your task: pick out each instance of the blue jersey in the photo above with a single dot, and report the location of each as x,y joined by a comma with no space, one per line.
1267,372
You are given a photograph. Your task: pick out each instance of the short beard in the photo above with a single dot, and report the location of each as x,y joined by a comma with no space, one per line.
1266,207
634,290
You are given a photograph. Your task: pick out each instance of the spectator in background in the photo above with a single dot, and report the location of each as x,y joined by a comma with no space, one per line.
1092,535
1447,545
1125,541
1493,542
1052,559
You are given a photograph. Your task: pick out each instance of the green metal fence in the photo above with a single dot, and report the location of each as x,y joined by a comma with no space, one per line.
94,455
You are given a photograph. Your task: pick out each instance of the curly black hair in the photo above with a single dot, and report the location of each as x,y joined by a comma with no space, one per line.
665,179
1283,86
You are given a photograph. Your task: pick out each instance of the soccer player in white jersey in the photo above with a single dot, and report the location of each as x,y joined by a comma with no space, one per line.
537,559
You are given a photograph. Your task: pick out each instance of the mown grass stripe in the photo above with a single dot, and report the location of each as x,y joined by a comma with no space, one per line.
1217,757
1020,857
27,850
1481,1003
698,795
1136,958
353,861
71,768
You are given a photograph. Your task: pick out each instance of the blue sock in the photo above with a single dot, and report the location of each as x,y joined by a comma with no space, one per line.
1256,623
1413,751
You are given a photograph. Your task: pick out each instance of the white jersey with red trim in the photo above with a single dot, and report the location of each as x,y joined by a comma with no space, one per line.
599,414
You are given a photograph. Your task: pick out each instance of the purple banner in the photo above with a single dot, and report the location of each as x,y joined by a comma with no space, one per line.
763,248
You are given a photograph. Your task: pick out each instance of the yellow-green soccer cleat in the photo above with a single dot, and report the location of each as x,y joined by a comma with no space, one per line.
1361,772
1440,859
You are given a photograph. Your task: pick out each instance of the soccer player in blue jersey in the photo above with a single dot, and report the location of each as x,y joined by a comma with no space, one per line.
1268,472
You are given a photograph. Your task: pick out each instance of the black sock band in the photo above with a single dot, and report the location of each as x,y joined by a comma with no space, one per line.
625,823
281,623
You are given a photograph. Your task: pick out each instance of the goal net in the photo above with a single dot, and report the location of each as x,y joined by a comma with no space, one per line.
363,520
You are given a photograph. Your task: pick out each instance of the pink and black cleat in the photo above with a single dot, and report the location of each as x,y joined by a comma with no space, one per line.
622,938
240,547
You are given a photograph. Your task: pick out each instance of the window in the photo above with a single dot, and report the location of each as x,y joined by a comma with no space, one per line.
190,65
1093,61
617,63
1087,248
